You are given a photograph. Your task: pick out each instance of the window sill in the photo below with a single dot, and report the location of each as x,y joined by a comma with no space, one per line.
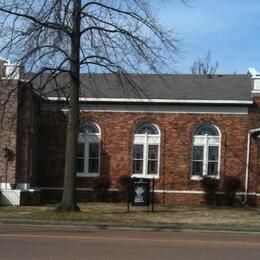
199,178
86,175
141,176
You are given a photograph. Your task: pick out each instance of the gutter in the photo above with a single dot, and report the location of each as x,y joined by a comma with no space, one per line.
147,100
250,132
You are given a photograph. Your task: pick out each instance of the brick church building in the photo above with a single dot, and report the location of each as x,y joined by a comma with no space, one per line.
173,128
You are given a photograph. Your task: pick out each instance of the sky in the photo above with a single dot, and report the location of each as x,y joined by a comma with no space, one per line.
230,29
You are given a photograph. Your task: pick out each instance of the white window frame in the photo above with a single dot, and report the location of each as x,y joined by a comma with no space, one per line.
146,140
206,141
87,139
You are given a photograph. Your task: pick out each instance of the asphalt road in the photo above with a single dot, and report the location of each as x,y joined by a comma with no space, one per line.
43,243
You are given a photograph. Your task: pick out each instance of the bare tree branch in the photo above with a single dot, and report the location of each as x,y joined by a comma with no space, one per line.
204,66
54,39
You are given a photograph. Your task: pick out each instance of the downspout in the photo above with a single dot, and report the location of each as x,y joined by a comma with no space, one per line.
250,132
247,167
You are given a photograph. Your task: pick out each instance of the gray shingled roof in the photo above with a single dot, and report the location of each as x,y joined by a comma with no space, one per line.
151,86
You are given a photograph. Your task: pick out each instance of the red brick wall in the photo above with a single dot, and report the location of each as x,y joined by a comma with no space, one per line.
16,130
176,148
25,133
37,139
51,149
8,128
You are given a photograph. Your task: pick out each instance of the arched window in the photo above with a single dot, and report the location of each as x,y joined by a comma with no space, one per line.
88,153
206,151
89,128
146,151
148,129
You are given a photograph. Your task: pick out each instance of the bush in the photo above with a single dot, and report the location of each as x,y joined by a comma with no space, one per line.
210,187
230,186
101,186
124,181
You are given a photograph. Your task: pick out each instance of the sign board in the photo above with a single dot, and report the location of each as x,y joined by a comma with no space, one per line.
141,192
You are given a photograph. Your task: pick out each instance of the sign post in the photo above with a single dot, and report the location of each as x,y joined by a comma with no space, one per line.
141,192
153,195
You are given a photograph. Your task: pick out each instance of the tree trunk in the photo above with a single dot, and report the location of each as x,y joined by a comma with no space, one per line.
68,202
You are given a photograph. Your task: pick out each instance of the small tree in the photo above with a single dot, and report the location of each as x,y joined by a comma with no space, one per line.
231,185
204,66
124,182
210,187
101,186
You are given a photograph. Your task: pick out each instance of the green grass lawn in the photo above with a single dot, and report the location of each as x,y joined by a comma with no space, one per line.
164,216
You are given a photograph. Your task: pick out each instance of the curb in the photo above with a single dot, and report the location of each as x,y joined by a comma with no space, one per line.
83,226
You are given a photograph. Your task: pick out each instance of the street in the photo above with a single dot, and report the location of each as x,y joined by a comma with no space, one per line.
42,243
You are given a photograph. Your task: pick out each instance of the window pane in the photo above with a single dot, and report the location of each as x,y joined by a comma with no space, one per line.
81,150
80,157
80,165
197,153
152,167
138,166
93,160
213,168
153,152
93,165
138,151
197,168
213,153
138,158
149,129
88,128
207,129
94,150
152,159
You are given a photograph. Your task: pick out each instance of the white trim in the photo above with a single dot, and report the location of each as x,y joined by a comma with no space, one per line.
146,140
199,178
146,176
5,186
159,112
86,175
23,186
247,163
250,132
156,191
87,139
156,100
254,130
253,73
87,143
154,108
204,142
61,188
179,191
255,91
79,189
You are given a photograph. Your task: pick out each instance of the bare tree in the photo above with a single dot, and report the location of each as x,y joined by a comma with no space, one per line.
204,66
69,36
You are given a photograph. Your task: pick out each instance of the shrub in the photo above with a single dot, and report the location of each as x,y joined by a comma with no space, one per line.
101,186
230,186
124,181
210,187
